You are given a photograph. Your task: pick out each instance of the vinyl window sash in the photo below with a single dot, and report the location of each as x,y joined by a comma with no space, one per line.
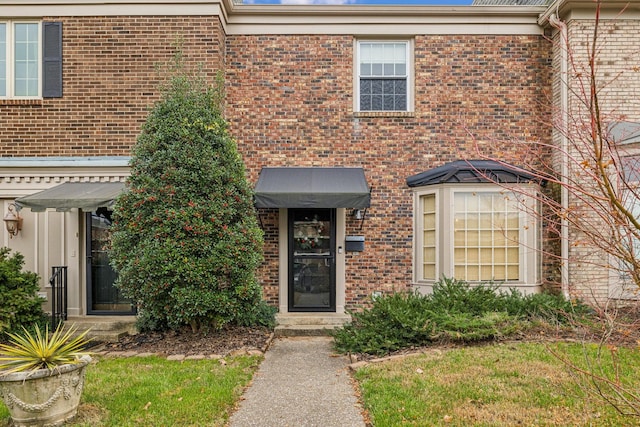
527,233
382,75
14,59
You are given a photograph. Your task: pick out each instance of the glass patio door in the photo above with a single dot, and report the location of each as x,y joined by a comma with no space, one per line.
102,296
312,260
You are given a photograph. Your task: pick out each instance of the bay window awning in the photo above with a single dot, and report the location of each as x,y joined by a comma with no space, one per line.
312,187
472,171
87,196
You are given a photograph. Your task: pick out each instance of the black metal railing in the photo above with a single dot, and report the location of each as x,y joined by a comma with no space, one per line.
58,282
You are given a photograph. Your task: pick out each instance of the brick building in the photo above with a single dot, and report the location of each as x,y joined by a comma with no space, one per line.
370,108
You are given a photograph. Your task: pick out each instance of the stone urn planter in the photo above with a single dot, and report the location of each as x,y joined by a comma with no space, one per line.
44,397
42,375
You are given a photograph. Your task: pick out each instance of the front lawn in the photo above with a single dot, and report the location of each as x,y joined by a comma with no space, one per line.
152,391
495,385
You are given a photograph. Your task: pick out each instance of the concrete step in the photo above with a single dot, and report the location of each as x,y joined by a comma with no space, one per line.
308,324
303,330
328,319
104,328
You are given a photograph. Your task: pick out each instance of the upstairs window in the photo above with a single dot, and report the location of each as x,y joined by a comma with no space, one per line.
20,59
383,76
3,59
30,59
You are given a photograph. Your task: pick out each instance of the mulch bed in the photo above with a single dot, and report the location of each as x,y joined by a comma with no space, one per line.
184,341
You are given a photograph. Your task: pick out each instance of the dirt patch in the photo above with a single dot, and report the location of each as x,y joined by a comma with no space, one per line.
184,341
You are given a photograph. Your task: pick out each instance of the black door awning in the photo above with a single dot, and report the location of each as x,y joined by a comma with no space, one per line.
312,187
87,196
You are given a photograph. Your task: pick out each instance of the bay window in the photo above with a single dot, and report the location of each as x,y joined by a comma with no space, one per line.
476,233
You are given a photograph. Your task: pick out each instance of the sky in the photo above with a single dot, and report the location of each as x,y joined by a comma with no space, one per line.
384,2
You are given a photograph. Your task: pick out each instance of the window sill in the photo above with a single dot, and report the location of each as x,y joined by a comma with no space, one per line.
504,284
361,114
21,102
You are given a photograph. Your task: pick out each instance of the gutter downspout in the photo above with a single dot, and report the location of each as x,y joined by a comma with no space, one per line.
564,146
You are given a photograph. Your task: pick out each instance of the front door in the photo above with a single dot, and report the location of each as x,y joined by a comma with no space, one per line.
312,260
102,296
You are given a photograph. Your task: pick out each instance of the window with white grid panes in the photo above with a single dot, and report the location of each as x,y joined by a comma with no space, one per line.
3,59
486,229
383,75
429,237
26,54
476,233
20,59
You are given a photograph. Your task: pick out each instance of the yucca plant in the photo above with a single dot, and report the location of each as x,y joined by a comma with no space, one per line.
30,351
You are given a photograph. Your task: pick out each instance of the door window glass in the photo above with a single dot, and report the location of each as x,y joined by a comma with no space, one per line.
312,274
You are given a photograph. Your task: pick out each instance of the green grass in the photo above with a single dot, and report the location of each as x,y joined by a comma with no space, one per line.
151,391
492,385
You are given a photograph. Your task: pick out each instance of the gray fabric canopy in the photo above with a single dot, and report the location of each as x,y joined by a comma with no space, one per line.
87,196
299,187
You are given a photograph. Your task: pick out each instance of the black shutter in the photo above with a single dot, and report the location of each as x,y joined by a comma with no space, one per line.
52,59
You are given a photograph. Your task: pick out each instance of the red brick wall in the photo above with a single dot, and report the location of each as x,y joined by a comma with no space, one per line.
290,102
268,271
109,81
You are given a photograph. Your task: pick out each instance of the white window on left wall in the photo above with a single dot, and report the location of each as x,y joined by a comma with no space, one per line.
20,59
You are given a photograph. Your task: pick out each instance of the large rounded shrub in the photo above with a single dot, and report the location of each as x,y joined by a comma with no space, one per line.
186,242
21,305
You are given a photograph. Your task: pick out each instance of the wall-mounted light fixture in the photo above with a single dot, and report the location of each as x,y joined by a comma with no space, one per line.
359,214
12,220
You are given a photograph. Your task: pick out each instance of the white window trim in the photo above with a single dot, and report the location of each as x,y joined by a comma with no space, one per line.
10,85
529,238
410,74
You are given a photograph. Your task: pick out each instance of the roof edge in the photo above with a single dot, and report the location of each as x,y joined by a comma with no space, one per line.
384,10
64,162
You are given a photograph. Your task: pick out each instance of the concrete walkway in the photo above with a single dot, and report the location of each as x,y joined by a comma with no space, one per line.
300,383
